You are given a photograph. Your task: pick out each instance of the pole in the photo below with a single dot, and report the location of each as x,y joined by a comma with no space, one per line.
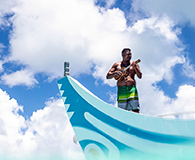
66,68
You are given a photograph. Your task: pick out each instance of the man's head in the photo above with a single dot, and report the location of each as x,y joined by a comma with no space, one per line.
126,54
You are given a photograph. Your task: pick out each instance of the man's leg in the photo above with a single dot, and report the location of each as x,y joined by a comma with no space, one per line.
133,106
122,105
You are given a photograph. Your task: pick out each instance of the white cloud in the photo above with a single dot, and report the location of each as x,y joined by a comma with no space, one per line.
6,6
53,132
188,69
109,3
5,9
113,98
11,122
162,26
22,77
1,47
157,103
185,101
1,66
47,35
181,11
46,134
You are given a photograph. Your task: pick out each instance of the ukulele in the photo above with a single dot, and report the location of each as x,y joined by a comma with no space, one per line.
124,71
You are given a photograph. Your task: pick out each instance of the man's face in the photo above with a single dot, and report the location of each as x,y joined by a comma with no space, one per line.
127,56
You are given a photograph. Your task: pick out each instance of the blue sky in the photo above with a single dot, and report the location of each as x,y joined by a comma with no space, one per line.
37,37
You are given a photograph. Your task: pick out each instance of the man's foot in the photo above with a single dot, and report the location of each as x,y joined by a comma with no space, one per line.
136,110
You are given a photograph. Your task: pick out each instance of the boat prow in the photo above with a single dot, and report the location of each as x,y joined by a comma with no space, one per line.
107,132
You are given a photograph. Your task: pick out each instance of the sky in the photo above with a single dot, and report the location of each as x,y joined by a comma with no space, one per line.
38,36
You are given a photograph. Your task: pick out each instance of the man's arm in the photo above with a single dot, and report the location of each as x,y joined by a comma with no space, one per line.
137,70
113,72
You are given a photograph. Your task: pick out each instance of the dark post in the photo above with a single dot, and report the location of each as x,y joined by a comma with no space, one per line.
66,68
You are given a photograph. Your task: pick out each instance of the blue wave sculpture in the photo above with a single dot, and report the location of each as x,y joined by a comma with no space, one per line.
108,133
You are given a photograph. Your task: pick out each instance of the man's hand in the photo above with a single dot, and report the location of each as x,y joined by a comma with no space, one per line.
137,69
134,65
118,73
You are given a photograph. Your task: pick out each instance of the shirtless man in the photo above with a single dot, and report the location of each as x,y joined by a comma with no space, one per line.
127,95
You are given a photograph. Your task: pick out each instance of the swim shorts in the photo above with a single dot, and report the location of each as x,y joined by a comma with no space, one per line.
128,98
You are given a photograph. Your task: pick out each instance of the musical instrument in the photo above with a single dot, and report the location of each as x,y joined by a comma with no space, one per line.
124,71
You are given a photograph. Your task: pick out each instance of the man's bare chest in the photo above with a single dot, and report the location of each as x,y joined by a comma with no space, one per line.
130,70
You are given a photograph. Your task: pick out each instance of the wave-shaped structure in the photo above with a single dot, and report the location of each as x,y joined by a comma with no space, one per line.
106,132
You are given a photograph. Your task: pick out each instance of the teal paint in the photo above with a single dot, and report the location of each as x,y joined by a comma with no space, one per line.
106,132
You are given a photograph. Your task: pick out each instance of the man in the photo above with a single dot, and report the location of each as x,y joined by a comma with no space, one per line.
127,95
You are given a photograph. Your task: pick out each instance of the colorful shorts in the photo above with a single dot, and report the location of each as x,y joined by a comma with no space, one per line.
128,97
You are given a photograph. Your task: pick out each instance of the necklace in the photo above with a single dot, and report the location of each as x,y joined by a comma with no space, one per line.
125,64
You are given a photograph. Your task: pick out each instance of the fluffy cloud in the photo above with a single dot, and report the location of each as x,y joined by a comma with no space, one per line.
1,66
185,101
46,134
2,47
45,36
6,9
108,3
6,6
53,133
12,123
188,69
181,11
21,77
180,107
